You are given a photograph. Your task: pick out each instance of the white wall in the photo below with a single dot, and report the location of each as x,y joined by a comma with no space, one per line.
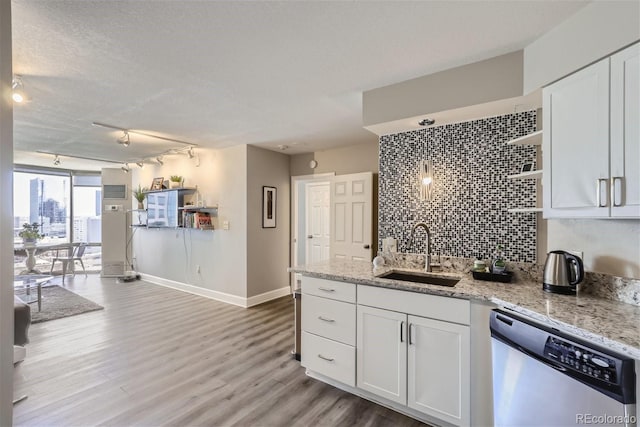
6,219
268,248
173,255
609,246
480,82
594,32
341,160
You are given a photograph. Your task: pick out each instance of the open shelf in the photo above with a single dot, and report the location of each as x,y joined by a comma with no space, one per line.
527,175
183,189
198,208
524,210
534,138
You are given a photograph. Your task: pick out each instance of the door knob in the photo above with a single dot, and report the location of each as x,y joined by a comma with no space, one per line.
367,246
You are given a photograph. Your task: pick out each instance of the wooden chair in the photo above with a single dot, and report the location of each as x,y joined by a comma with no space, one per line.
73,255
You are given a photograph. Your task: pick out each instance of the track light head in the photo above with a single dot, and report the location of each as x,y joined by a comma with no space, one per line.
140,164
124,139
56,160
125,168
17,89
190,153
159,160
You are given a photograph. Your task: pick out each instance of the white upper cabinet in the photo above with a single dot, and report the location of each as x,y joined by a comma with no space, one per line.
590,141
625,133
575,144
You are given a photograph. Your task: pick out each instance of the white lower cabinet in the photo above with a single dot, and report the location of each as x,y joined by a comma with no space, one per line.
382,353
330,358
411,349
329,329
438,369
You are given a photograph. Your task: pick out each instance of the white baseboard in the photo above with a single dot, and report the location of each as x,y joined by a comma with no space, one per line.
268,296
216,295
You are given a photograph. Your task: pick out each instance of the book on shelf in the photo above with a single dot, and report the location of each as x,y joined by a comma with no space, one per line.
204,222
201,220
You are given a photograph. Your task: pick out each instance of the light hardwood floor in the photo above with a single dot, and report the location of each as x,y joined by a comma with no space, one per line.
155,356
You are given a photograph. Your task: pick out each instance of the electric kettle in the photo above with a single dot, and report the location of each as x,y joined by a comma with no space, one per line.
562,272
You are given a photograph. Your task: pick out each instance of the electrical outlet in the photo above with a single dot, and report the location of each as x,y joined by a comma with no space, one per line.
198,269
225,225
579,254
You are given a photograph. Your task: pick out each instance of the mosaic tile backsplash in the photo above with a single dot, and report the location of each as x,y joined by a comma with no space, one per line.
467,215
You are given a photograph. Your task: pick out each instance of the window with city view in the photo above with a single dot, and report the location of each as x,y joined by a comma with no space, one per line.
67,209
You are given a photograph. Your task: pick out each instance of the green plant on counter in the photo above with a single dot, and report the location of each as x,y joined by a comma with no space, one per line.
30,231
140,193
175,178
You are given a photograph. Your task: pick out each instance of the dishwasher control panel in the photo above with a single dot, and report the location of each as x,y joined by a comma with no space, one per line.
582,360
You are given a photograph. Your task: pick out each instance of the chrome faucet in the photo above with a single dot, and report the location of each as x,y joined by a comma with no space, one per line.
427,255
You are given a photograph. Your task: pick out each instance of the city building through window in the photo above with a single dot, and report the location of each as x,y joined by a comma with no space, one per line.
67,208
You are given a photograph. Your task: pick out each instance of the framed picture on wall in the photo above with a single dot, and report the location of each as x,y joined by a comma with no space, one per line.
269,207
157,183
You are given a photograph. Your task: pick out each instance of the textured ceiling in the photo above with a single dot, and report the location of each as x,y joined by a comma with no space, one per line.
224,73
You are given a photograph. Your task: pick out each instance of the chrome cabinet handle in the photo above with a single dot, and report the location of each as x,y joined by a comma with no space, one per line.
613,190
327,289
324,319
402,331
310,236
328,359
410,334
598,192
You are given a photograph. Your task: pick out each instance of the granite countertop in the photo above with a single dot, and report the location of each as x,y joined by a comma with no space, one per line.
613,324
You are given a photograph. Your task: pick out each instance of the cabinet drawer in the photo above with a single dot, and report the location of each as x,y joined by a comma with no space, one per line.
328,318
330,358
431,306
341,291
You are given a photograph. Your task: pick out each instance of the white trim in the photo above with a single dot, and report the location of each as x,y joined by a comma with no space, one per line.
294,214
216,295
267,296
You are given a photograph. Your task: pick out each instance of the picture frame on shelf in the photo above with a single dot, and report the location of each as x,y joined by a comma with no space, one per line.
157,183
269,200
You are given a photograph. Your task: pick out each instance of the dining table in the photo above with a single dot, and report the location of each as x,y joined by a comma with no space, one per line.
31,249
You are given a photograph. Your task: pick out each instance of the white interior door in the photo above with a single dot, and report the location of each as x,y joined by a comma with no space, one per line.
351,210
317,222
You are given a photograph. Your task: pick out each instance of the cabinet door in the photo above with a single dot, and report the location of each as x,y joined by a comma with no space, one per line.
576,144
625,133
439,369
382,353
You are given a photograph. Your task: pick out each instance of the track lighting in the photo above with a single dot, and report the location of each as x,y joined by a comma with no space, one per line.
124,139
125,168
17,88
159,160
190,153
140,164
137,132
56,160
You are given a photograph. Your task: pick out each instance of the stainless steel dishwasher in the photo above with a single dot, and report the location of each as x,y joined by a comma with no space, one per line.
543,377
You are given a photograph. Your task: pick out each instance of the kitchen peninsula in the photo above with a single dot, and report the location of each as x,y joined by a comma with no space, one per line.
424,349
610,323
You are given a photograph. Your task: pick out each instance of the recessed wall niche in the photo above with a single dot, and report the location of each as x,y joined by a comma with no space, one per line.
467,214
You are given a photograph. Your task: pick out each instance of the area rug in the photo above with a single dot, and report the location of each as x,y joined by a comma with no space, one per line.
58,302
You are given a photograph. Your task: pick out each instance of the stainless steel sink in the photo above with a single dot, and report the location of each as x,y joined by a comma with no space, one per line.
418,277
